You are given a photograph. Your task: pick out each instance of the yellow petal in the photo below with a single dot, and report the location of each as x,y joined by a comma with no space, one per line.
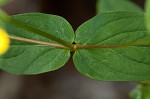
4,41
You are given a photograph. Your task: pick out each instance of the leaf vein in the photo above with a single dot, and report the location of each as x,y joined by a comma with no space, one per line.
105,25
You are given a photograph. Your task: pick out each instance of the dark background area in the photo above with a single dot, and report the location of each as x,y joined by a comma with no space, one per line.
67,82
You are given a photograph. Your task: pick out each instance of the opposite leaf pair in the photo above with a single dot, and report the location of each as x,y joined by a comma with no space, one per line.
107,28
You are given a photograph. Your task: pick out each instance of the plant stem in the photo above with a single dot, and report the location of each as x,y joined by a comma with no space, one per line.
63,43
37,42
35,30
141,42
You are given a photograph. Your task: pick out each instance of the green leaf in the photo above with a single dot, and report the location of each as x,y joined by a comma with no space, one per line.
142,91
2,25
3,2
27,58
117,5
113,64
147,15
136,94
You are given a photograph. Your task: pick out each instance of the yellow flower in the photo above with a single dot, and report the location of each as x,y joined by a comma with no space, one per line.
4,41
